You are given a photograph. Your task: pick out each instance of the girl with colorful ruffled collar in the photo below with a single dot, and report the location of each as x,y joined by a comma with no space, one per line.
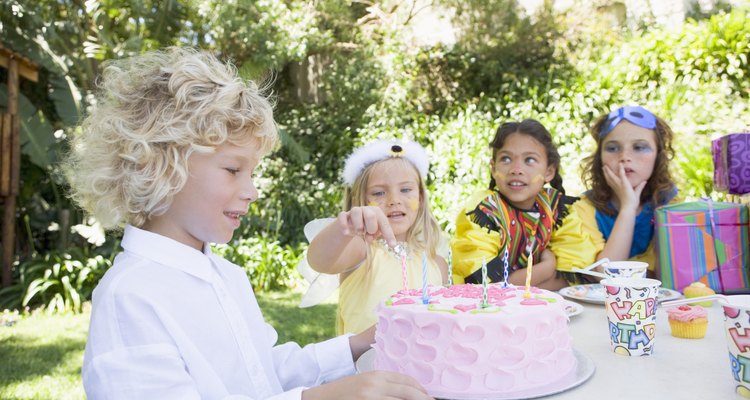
508,226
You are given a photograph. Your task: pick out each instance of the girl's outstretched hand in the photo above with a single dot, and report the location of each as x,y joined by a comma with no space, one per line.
369,386
368,222
628,196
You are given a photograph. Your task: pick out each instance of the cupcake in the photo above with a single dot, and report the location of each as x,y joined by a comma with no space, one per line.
698,289
689,322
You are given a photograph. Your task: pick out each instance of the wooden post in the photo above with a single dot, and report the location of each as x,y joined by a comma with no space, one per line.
9,208
5,158
18,67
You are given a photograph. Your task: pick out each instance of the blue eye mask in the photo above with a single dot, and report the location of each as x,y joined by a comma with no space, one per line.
634,114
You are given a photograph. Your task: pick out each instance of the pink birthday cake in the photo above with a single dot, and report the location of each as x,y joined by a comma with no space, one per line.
461,346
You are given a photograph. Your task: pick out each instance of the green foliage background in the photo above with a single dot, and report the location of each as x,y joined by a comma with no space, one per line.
343,73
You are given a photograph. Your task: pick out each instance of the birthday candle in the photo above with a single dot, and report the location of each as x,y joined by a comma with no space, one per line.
484,283
403,271
505,267
425,297
529,267
450,267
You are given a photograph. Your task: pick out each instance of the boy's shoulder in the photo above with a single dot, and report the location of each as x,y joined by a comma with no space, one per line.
130,273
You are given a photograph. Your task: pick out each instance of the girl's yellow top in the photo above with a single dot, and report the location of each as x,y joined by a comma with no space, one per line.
578,241
364,288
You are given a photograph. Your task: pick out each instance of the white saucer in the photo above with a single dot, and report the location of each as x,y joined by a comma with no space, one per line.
584,370
572,308
594,293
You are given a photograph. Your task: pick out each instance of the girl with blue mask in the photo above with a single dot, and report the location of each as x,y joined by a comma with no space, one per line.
628,176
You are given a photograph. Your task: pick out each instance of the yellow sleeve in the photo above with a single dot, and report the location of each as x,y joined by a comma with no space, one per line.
577,241
648,256
472,244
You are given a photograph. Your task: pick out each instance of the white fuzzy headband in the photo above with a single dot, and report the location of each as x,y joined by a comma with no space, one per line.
381,150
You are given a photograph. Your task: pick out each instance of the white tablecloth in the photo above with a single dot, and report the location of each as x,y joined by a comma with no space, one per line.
679,368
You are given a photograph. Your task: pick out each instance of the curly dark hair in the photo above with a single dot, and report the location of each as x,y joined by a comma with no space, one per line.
534,129
659,186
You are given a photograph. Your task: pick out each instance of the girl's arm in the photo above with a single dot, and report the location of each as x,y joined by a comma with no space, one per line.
443,265
343,244
542,271
620,239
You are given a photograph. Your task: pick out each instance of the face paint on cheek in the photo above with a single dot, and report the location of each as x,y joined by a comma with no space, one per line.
499,176
413,204
538,179
373,203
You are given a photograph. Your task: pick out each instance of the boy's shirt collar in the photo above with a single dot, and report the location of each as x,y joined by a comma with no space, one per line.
168,252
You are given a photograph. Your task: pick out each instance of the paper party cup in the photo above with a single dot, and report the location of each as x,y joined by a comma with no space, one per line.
737,328
631,314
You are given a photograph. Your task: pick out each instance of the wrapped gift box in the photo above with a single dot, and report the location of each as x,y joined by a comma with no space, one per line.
703,241
731,155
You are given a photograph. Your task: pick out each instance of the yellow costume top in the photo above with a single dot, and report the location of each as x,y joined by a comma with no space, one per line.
375,280
489,225
579,240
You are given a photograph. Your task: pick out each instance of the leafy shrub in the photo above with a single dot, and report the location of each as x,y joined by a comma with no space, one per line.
60,281
268,264
657,69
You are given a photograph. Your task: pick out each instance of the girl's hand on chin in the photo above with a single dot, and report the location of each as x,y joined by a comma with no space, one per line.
628,197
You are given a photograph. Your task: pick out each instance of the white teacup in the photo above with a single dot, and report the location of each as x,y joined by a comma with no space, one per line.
625,269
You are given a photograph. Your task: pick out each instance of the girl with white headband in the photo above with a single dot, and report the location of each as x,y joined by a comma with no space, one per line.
628,176
386,215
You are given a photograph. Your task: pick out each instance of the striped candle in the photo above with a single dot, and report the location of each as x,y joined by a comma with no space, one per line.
450,267
484,284
405,277
505,267
425,296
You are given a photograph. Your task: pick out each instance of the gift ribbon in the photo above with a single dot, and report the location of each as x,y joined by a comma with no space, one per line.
712,232
713,235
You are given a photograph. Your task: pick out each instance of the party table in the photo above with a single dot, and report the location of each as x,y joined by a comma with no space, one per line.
678,368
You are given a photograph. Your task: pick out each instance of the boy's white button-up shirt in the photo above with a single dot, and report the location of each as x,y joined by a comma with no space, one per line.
171,322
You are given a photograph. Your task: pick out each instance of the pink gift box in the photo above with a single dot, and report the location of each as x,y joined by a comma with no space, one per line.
703,241
731,155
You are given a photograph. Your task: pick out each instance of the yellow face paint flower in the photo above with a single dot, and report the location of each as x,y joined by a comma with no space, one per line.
414,204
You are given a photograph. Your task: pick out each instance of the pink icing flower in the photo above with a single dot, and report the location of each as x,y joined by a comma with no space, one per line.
465,307
403,301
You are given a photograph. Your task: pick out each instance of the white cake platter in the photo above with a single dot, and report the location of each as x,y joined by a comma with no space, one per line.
584,370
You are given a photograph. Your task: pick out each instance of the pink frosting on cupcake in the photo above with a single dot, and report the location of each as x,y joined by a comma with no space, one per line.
686,313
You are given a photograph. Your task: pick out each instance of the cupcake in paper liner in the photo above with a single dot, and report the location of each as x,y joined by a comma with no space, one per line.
689,322
698,289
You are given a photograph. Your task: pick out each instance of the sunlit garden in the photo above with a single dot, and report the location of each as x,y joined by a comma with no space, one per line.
444,73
